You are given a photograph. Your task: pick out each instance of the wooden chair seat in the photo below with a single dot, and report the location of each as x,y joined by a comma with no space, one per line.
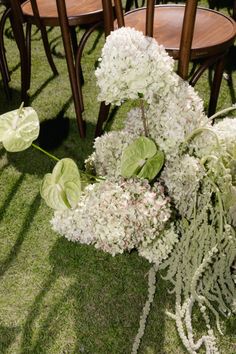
83,12
213,34
187,32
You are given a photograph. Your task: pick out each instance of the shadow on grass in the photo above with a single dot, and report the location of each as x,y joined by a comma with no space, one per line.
10,197
100,33
33,313
7,336
57,47
54,131
41,88
101,300
61,258
15,68
53,138
33,208
9,105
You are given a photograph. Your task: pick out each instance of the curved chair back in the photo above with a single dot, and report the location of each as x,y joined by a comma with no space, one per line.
187,29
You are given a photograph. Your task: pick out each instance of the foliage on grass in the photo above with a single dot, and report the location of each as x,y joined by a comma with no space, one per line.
55,296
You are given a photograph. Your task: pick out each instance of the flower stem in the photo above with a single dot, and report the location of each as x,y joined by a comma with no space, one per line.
45,152
86,174
199,131
20,108
97,179
226,110
144,118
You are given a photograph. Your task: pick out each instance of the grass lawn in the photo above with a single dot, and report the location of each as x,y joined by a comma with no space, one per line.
57,297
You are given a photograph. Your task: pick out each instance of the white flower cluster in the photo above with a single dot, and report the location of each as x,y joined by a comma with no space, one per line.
182,177
108,148
223,133
116,215
133,123
160,248
172,118
133,65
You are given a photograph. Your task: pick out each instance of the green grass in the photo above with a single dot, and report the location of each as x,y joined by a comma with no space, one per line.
57,297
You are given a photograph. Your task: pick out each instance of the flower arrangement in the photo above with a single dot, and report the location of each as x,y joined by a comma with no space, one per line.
164,185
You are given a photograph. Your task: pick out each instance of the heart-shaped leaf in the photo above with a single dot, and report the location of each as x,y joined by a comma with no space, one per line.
153,166
19,128
135,156
61,189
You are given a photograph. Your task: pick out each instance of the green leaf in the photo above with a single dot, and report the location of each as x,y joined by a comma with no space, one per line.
61,189
152,167
135,156
19,128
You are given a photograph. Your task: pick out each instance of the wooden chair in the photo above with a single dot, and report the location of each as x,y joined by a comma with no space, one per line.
3,62
230,4
43,13
23,40
86,13
187,32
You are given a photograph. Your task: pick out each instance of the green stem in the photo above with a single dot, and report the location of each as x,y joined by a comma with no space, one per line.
144,118
45,152
20,109
226,110
207,157
199,131
97,179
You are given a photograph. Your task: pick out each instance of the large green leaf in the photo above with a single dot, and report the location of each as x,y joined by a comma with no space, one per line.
153,166
142,158
135,156
61,189
19,128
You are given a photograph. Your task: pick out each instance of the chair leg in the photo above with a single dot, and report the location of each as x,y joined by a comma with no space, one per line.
70,65
103,114
215,89
75,49
102,117
3,62
4,80
18,32
47,49
28,48
74,41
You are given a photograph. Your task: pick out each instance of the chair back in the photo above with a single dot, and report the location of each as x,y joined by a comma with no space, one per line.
16,9
187,28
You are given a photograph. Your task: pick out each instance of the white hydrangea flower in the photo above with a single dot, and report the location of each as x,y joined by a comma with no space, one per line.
175,116
160,248
108,149
133,123
206,142
132,65
182,177
170,120
116,215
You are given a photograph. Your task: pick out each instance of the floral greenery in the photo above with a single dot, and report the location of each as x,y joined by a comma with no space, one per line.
43,303
199,248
